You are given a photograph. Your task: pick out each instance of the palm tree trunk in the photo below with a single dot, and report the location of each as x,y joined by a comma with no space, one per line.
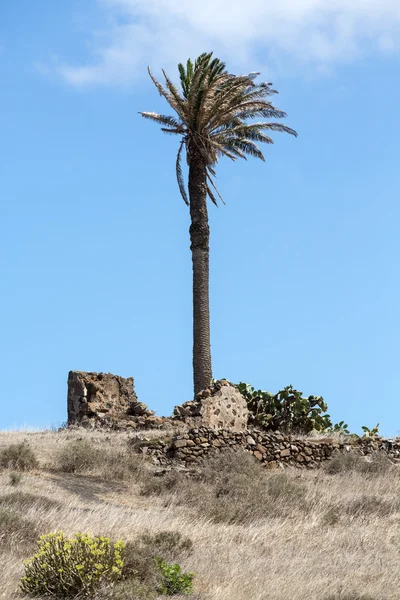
199,238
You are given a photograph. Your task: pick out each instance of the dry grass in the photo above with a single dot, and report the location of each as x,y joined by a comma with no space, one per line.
304,536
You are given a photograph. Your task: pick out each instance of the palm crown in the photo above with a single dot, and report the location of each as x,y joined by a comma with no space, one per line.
212,110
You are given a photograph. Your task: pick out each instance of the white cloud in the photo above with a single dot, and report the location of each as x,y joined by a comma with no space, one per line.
247,33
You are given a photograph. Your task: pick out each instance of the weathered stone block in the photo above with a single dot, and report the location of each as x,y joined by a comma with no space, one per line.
221,406
95,395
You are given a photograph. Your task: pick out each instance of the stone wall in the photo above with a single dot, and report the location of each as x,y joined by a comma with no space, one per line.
272,449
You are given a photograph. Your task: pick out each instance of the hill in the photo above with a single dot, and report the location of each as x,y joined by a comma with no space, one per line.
331,533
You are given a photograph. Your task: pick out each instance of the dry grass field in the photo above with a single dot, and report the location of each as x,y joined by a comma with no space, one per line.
330,534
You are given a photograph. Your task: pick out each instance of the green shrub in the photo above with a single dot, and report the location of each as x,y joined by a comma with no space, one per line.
174,581
370,433
19,457
64,568
286,411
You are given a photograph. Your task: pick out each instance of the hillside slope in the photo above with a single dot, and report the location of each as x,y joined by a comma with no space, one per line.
332,533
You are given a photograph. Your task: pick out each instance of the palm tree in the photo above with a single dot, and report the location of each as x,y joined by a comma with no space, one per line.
212,109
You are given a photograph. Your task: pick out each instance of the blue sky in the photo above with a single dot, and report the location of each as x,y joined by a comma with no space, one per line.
95,260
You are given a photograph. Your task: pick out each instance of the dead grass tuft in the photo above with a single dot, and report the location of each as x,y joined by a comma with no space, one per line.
19,457
15,530
374,464
231,488
353,596
24,501
81,456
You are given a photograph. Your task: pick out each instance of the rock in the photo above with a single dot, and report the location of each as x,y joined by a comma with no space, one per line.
181,411
180,443
250,441
137,408
285,452
221,406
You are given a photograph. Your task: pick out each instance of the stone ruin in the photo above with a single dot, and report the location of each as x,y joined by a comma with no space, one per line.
216,420
100,399
221,406
106,400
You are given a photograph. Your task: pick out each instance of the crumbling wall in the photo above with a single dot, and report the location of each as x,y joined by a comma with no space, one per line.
221,406
95,396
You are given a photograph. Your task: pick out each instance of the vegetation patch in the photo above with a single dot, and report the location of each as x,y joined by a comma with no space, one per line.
288,410
140,555
85,565
231,488
23,501
19,457
86,457
374,464
14,529
64,568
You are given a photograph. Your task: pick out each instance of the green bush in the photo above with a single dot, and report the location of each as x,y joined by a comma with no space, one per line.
19,457
285,411
64,568
370,433
174,581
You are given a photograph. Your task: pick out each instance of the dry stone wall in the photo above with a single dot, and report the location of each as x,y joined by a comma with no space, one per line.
274,450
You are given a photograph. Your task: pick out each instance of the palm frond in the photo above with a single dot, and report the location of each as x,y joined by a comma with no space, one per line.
281,127
169,97
175,93
179,174
224,150
211,196
210,179
246,147
163,119
171,131
252,131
